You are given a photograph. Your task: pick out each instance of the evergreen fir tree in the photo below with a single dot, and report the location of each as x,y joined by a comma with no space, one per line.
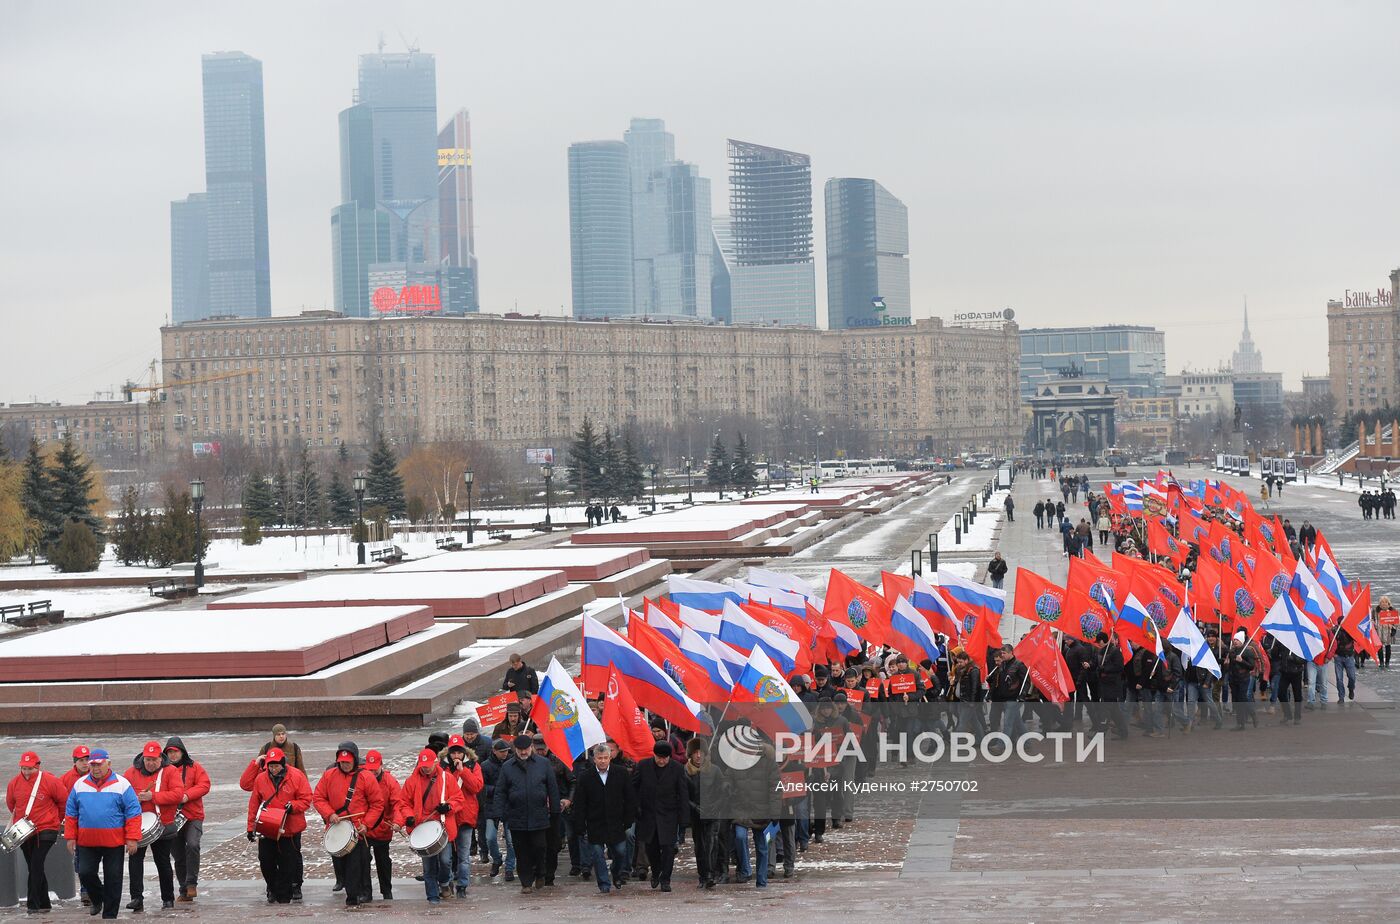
384,483
342,501
71,477
582,466
342,457
633,479
309,505
175,538
131,535
77,549
610,475
717,469
282,497
742,472
259,502
37,495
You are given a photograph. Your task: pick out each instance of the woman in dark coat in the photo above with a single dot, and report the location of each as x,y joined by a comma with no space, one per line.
663,801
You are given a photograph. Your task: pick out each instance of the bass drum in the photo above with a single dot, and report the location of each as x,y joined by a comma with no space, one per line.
429,838
340,838
151,829
270,822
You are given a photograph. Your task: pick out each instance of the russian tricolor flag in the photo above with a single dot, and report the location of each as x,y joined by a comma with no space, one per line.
730,657
706,624
761,577
761,682
662,623
701,595
698,652
652,687
930,602
746,633
562,715
913,634
969,595
780,599
1315,599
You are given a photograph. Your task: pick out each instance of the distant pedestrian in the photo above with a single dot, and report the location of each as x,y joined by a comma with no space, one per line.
1104,524
996,570
1060,511
616,514
1010,506
1039,511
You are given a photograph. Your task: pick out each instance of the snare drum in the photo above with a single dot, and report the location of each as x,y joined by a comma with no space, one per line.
270,822
341,838
429,838
151,829
16,834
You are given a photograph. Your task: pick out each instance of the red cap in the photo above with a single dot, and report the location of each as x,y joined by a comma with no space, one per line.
275,755
374,760
152,749
344,754
427,757
456,741
29,759
80,751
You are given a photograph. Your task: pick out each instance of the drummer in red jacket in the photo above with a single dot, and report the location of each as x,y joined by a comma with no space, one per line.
41,798
432,795
462,760
194,779
381,834
281,789
347,791
158,786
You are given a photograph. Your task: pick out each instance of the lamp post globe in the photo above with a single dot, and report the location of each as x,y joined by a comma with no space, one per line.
467,479
197,496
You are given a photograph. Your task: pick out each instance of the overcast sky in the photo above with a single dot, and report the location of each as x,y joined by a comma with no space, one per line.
1148,163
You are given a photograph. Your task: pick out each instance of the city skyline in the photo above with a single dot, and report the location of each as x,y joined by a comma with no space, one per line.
1077,222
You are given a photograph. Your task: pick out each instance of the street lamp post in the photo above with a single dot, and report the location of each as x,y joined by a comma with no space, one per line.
689,494
652,469
197,495
467,479
359,484
547,471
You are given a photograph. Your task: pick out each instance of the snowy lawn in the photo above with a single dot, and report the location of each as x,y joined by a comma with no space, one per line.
82,603
979,537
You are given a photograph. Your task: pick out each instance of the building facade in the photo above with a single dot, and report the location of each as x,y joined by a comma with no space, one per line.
867,255
1202,394
1247,358
1147,423
1132,359
525,382
1363,343
189,259
600,229
671,237
235,183
456,209
773,279
104,429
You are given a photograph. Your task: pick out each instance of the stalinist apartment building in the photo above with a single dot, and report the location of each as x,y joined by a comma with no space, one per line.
520,382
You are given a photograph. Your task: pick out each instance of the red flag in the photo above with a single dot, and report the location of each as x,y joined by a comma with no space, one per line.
980,639
1045,664
893,586
1221,544
689,676
866,611
1159,584
1205,588
823,649
1091,588
1360,624
1161,542
1041,601
1239,601
623,721
1193,530
1269,579
666,605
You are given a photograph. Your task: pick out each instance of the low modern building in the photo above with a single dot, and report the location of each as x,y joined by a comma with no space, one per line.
1132,359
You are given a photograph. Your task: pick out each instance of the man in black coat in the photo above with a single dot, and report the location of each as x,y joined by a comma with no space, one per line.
1108,668
605,805
564,782
526,795
663,801
520,677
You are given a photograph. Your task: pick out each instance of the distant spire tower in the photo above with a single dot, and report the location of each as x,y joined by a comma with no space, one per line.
1247,357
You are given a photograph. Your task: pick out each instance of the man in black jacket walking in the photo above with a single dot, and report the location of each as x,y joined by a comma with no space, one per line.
527,794
604,807
663,800
1108,666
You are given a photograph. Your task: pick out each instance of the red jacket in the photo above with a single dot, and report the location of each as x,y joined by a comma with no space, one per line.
69,778
367,805
422,794
49,802
294,788
390,788
167,800
194,782
469,778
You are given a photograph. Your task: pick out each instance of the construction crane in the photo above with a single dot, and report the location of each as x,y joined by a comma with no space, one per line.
157,390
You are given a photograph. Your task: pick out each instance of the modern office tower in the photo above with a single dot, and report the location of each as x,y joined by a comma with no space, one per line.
600,229
1132,358
235,182
388,166
721,262
867,262
773,280
456,223
189,259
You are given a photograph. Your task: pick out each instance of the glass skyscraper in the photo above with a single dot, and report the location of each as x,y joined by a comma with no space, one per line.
600,229
388,167
867,262
189,259
773,279
456,222
235,182
1132,358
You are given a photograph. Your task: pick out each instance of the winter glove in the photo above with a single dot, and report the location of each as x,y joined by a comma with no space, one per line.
410,821
287,807
252,837
443,808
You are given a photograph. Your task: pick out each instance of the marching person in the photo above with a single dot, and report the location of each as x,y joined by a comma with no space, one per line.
101,817
663,800
41,798
381,834
463,764
564,782
349,792
605,806
520,677
703,782
270,782
282,741
71,776
195,785
432,794
158,788
526,795
496,830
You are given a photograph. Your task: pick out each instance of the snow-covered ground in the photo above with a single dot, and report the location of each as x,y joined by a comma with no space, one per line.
977,538
82,603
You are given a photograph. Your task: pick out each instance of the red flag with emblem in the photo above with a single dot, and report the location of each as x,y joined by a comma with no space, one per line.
1240,603
894,586
1160,541
864,609
1042,601
1091,586
623,721
1045,665
692,678
1360,624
